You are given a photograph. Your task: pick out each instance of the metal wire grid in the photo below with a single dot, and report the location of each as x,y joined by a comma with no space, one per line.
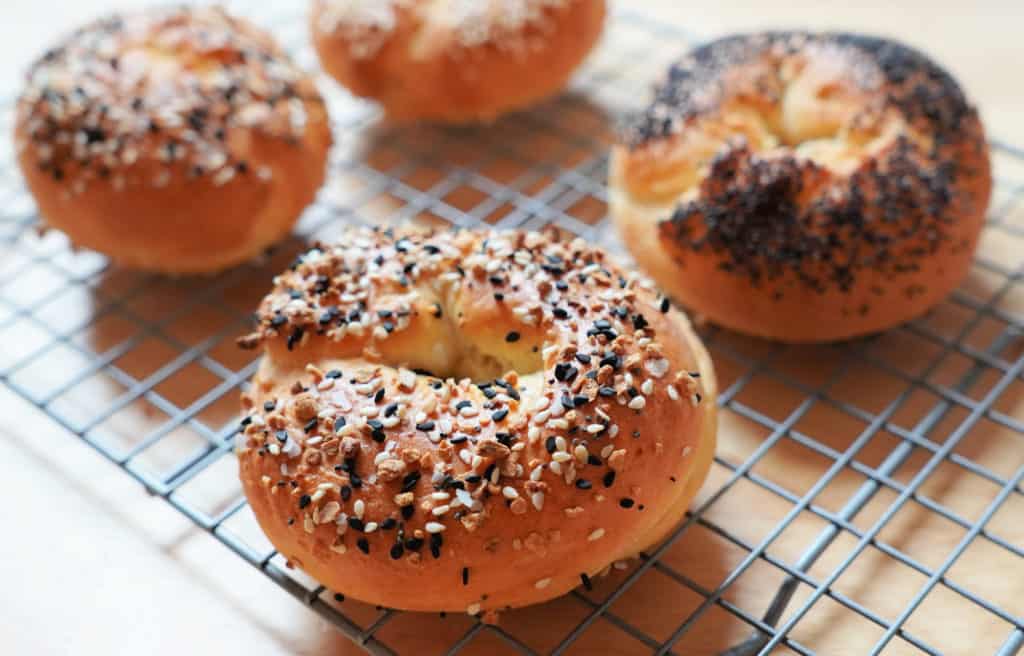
144,370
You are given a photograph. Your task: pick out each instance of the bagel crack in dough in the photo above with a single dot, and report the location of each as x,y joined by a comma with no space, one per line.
470,421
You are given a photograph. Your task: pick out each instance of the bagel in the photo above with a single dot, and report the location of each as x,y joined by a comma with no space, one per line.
803,187
180,140
454,60
470,421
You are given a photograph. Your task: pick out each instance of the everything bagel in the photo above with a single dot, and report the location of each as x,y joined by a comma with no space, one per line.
470,421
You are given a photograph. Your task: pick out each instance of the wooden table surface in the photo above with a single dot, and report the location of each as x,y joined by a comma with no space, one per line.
92,565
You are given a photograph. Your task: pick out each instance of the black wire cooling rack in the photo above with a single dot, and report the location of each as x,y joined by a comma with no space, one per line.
895,462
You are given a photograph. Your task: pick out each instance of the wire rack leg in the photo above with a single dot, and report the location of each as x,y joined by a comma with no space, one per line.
861,497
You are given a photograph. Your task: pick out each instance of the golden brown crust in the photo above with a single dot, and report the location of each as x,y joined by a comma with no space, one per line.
427,493
804,187
454,60
179,140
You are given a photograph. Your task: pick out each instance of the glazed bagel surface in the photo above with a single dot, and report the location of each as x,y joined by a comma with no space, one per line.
470,421
804,187
454,60
179,140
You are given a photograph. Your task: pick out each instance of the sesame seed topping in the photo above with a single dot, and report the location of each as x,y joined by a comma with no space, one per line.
87,122
431,452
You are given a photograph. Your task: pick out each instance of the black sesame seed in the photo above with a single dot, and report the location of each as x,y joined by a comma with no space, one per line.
465,576
304,501
550,444
378,395
565,372
281,435
388,524
355,480
512,336
583,358
410,481
310,425
414,544
435,544
593,460
583,484
339,597
664,305
425,426
339,423
499,415
609,478
268,406
465,403
626,502
294,338
459,439
346,492
397,550
407,511
586,581
606,391
356,523
363,545
560,313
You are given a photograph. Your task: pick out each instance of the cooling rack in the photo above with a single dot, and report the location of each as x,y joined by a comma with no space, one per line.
866,497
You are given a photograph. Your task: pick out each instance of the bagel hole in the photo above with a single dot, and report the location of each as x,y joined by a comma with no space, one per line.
481,366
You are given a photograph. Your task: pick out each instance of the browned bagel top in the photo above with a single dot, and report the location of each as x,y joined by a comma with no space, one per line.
461,24
601,413
177,91
808,156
